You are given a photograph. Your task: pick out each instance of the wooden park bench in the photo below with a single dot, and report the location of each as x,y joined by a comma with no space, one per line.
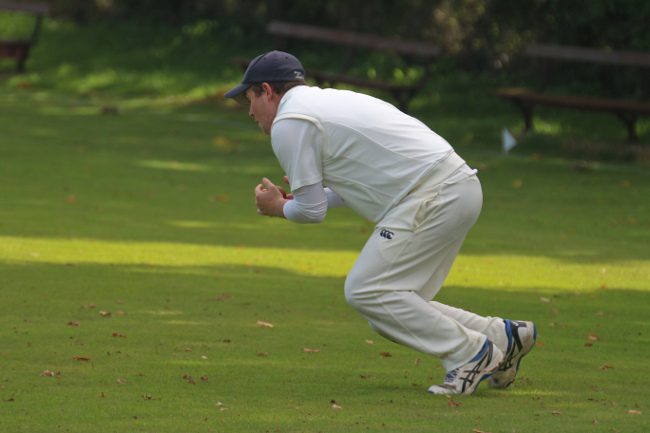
18,49
626,110
412,52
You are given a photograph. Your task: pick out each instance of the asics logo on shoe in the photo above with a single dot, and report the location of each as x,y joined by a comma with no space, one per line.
469,376
386,234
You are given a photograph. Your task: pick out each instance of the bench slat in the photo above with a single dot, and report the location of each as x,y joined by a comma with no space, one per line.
331,77
33,8
575,102
341,78
579,54
343,37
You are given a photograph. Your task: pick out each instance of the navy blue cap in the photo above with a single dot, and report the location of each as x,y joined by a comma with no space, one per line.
269,67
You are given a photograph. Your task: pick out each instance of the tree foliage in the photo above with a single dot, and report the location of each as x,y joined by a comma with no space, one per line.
477,32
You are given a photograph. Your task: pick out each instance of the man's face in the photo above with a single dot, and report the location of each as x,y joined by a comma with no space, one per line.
263,107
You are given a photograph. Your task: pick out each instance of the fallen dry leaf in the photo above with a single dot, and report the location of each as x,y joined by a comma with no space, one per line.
224,144
48,373
262,354
556,412
204,378
335,405
118,335
308,350
605,367
370,342
72,199
105,313
189,379
223,297
221,198
452,403
475,430
593,337
80,358
385,354
634,412
121,381
263,324
73,323
89,306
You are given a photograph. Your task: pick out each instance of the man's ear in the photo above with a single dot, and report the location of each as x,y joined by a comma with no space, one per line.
268,90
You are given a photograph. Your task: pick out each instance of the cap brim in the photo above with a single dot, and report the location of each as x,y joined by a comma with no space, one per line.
237,92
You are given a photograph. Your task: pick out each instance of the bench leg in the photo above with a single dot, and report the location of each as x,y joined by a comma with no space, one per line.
20,65
403,99
22,59
630,123
527,111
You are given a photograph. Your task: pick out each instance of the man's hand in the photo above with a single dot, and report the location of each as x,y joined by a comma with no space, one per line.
284,193
269,199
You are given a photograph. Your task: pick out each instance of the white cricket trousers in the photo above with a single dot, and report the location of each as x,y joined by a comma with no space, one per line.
404,264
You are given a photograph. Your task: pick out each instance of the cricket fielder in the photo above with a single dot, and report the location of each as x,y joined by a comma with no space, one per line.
342,148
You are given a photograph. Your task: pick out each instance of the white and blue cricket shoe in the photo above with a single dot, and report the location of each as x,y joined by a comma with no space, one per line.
466,378
521,340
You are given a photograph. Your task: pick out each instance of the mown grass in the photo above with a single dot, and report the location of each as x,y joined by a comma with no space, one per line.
134,269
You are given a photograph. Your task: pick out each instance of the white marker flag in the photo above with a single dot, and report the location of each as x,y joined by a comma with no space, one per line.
507,141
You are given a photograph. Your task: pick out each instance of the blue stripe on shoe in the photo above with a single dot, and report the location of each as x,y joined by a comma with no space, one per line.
509,334
481,353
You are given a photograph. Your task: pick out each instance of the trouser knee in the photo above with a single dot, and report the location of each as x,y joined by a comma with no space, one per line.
357,299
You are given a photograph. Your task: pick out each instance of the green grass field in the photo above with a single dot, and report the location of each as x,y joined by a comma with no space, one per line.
138,286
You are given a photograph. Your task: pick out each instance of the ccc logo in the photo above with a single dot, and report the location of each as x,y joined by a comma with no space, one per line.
386,234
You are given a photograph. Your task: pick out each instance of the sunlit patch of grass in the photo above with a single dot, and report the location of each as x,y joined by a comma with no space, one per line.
537,274
173,165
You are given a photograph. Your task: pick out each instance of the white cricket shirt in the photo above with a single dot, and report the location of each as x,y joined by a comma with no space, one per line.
364,149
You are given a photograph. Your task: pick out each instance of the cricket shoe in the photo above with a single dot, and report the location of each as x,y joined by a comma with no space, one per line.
521,339
466,378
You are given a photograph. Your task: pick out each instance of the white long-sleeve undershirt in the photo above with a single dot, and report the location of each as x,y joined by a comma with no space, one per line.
310,204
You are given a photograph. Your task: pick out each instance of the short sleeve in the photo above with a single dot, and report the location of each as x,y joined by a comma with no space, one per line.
297,144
